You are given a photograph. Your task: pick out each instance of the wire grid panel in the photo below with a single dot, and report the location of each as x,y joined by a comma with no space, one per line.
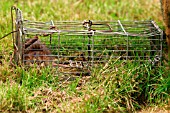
76,47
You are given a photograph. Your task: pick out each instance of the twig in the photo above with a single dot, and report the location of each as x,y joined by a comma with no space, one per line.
8,34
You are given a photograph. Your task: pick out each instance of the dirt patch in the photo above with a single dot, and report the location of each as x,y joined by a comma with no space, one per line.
155,110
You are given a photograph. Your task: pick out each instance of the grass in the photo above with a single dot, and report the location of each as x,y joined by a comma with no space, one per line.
119,86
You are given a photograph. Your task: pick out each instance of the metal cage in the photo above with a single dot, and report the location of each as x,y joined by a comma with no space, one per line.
77,47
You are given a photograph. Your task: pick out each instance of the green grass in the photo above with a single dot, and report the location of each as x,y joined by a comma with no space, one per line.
119,86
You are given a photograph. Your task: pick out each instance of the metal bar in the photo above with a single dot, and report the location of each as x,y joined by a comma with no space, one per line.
156,26
122,27
58,50
92,49
52,24
127,52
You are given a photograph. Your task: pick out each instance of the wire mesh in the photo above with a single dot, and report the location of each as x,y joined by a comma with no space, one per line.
77,47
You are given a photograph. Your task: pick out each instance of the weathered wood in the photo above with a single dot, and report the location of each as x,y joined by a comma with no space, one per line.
165,7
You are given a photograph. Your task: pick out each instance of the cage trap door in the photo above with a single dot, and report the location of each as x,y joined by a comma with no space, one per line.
17,25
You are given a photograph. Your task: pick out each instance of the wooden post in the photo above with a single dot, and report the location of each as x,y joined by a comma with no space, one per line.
165,7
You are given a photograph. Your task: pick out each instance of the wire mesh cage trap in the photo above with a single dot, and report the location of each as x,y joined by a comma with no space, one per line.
77,47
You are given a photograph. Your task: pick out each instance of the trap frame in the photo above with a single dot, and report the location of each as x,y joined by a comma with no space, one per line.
77,47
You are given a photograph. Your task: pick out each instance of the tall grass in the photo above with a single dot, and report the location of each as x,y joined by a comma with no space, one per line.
13,97
119,86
